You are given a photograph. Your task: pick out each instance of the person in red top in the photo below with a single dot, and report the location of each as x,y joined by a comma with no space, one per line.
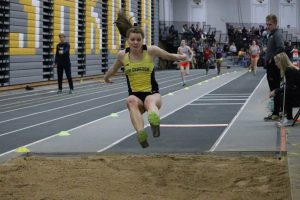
206,56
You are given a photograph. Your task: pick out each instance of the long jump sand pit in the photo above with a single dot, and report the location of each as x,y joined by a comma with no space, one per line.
144,177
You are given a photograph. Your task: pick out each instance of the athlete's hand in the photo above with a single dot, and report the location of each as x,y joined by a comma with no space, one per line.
107,80
181,57
272,93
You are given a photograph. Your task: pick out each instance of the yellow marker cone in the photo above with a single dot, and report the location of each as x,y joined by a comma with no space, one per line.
114,115
63,133
22,150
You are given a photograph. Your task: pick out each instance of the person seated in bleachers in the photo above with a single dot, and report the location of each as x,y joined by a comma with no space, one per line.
232,52
291,76
242,56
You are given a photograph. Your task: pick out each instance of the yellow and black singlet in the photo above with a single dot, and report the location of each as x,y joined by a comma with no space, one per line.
140,74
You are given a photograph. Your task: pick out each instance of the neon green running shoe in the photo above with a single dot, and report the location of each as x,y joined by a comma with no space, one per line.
142,138
154,121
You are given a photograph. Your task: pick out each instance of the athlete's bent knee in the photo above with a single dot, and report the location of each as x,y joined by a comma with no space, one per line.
132,101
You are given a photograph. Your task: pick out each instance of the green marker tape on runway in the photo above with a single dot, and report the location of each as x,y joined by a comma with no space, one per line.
293,154
22,150
114,115
63,133
171,94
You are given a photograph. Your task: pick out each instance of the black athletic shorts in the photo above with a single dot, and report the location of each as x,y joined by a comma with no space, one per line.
142,95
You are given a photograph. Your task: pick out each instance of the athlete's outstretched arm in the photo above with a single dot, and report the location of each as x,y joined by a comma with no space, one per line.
114,68
158,52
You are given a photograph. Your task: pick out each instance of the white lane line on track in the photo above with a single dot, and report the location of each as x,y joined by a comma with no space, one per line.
232,94
55,96
192,125
71,97
213,148
208,96
209,104
106,86
221,99
42,92
45,122
61,107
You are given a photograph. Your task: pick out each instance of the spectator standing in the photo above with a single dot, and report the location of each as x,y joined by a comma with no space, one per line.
62,63
275,45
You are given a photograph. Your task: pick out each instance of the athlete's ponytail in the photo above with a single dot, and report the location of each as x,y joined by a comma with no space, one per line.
123,23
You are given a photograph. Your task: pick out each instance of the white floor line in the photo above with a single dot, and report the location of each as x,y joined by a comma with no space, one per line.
213,148
62,99
192,125
45,91
54,87
55,96
61,107
221,99
232,94
111,87
52,120
115,143
209,104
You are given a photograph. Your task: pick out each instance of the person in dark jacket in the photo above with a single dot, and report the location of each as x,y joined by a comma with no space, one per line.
62,62
275,46
291,76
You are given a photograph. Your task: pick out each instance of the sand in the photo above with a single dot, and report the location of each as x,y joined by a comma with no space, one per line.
144,177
